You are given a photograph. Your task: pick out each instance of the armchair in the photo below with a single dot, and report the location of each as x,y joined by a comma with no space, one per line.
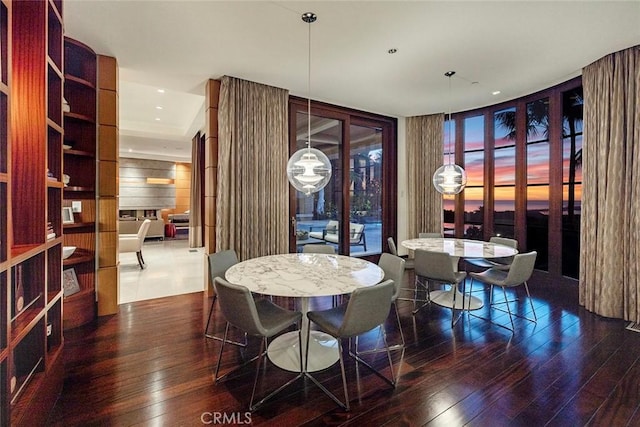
133,242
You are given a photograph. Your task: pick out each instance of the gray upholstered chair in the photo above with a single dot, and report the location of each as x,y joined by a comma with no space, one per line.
393,267
437,267
393,250
134,242
518,274
367,309
260,318
318,248
502,263
219,263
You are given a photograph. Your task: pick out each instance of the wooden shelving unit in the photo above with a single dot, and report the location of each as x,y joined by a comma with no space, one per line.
31,136
79,150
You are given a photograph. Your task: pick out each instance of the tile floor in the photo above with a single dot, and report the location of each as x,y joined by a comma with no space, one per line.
172,268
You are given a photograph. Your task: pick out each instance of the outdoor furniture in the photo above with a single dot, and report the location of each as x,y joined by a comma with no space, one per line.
331,234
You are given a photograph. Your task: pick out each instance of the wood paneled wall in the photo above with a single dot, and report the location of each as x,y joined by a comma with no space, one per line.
136,192
108,277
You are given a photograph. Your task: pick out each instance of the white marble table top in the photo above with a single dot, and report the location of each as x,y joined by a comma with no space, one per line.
461,247
304,275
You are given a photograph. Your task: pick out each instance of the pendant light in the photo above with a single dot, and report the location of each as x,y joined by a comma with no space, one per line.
450,179
309,169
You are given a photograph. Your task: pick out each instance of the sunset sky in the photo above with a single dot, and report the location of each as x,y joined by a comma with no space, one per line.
504,164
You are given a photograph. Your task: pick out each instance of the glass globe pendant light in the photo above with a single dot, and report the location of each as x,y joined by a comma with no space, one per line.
309,169
450,179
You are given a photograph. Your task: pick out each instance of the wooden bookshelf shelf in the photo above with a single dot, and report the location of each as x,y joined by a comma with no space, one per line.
80,165
31,135
78,257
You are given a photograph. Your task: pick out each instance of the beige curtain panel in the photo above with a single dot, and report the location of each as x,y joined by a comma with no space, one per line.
424,156
253,194
610,223
195,201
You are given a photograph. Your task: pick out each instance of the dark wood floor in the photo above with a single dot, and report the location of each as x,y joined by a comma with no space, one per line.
150,365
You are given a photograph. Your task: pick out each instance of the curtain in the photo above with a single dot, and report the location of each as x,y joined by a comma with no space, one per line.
195,200
252,205
424,156
610,222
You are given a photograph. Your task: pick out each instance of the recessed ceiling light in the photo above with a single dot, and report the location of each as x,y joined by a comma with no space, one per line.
495,92
157,119
130,150
160,90
392,51
158,107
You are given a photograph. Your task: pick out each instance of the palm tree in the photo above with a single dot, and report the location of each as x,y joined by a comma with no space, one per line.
538,125
572,115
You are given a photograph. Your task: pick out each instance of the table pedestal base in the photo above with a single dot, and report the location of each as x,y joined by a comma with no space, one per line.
323,349
445,299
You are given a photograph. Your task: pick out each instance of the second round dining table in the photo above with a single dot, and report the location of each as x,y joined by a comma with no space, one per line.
459,248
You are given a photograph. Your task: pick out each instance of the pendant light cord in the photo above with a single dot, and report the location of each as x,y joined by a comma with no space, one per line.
309,90
449,74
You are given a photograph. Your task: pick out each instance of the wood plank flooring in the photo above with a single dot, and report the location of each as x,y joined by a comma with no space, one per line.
151,366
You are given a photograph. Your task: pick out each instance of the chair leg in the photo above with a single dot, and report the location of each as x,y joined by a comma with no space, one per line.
344,375
140,260
358,359
206,329
215,375
504,292
263,352
427,301
395,306
533,310
386,344
213,337
255,381
392,347
312,378
224,340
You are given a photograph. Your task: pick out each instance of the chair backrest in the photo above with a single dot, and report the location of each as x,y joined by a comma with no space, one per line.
332,227
429,235
238,307
355,232
318,248
392,246
521,268
434,266
367,308
144,229
393,267
220,262
504,241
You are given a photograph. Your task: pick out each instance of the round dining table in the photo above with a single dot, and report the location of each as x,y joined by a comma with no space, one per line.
459,248
304,275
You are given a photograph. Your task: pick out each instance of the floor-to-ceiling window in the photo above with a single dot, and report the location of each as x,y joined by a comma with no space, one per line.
474,166
537,213
357,209
504,172
523,163
571,179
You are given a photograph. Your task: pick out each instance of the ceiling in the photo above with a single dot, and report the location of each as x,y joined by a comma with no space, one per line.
515,47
